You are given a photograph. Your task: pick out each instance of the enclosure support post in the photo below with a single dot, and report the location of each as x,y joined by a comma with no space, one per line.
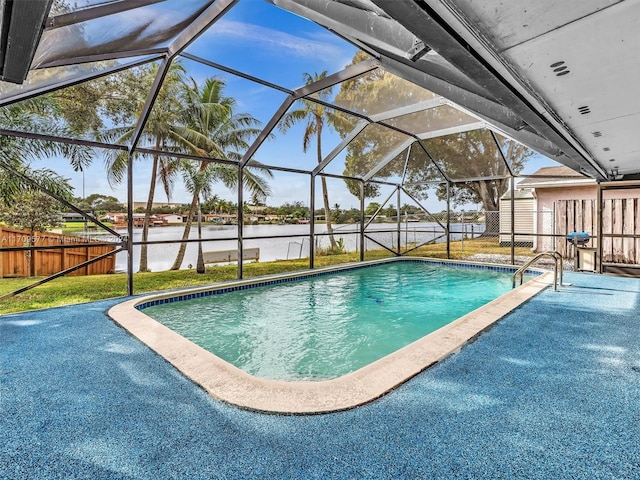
599,238
129,223
362,221
312,221
399,224
448,219
513,220
200,263
554,214
240,219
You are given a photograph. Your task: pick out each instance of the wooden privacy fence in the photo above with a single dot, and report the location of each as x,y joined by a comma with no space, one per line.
620,227
621,230
574,216
25,263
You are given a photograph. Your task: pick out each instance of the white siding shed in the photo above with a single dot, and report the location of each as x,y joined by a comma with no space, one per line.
524,221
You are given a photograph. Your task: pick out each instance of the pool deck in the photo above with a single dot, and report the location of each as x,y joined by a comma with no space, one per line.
550,391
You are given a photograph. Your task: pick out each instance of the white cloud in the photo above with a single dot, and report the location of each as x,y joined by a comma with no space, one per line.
274,41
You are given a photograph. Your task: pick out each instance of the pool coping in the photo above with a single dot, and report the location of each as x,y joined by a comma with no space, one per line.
230,384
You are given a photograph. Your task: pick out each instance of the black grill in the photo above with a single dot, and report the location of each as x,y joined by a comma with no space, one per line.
579,239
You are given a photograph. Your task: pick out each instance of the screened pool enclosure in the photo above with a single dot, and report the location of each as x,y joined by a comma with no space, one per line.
313,103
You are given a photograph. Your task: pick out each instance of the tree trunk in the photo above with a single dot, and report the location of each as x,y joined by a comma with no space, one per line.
327,213
144,264
325,193
177,263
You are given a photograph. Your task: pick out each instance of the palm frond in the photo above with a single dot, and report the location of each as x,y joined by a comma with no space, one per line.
44,178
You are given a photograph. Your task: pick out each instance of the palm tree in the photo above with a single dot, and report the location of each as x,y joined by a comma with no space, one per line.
213,130
37,115
160,130
225,206
212,204
316,116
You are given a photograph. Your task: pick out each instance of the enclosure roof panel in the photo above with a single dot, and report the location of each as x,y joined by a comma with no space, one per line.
104,30
46,79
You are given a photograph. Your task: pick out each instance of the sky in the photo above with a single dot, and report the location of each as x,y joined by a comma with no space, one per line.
261,40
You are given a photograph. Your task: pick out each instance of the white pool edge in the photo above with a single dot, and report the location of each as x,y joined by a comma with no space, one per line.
230,384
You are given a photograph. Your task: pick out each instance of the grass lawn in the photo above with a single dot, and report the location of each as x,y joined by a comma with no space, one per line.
70,228
78,289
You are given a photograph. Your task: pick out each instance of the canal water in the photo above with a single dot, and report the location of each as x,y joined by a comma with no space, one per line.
295,245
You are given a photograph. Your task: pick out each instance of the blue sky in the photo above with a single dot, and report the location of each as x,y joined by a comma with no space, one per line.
262,40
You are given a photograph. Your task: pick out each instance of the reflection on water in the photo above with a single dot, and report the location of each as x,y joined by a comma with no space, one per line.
223,237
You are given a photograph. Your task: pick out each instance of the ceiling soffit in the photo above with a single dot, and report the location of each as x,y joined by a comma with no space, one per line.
586,73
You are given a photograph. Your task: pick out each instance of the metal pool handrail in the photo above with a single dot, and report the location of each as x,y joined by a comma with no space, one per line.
557,258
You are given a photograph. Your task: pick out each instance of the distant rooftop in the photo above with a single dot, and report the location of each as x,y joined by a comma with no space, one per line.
555,177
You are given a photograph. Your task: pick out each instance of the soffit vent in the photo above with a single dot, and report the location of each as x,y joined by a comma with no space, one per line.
584,109
559,68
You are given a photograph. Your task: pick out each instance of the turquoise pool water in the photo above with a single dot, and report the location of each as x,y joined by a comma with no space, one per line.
326,326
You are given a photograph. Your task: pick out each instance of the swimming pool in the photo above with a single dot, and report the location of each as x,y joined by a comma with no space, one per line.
331,288
326,326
